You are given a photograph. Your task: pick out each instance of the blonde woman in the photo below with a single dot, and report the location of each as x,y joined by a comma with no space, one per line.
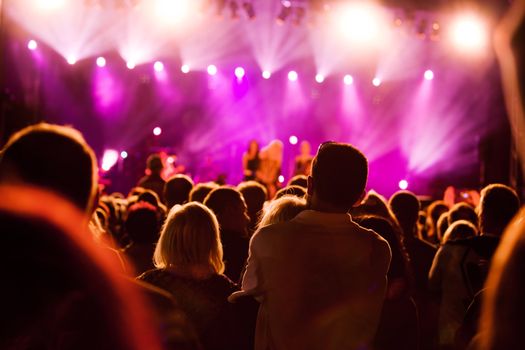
189,265
270,168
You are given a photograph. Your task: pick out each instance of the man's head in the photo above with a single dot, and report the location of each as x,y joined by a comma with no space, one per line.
405,206
53,157
228,205
177,190
498,205
154,163
339,175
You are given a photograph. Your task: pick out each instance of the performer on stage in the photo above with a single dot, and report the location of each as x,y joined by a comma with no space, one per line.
251,161
270,168
303,162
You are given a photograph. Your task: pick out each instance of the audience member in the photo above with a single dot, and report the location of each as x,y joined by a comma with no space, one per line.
463,211
434,211
442,226
177,190
282,209
200,191
293,190
153,179
255,196
298,180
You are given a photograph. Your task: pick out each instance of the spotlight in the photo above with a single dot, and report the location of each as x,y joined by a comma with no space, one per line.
32,45
429,75
158,66
348,80
292,75
130,64
50,4
185,69
266,74
293,140
212,70
157,131
71,60
170,160
319,78
286,10
403,184
171,11
101,61
280,179
239,72
376,81
109,159
469,33
360,22
123,154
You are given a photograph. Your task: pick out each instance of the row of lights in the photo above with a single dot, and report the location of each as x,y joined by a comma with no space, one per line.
239,72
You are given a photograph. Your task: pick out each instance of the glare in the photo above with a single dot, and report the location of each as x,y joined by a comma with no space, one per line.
319,78
266,74
429,75
212,70
157,131
185,68
469,33
123,154
109,159
101,61
171,11
170,160
376,81
71,60
50,4
32,45
293,140
348,79
292,75
130,64
281,179
360,22
403,184
239,72
158,66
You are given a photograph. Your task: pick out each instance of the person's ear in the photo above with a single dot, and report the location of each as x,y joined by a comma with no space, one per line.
360,200
310,186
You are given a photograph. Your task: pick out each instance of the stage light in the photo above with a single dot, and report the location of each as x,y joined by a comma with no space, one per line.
158,66
123,154
280,179
171,11
348,80
185,69
130,64
292,75
376,82
170,160
71,60
157,131
32,45
293,140
212,70
101,61
429,75
239,72
109,159
319,78
266,74
403,184
469,33
360,22
50,4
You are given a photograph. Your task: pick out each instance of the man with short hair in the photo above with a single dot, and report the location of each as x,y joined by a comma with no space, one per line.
320,278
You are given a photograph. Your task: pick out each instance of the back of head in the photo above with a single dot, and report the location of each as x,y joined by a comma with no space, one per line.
154,163
461,229
297,191
254,194
190,238
53,157
200,191
299,180
150,197
177,190
142,224
339,174
221,200
282,209
405,206
498,205
442,226
462,211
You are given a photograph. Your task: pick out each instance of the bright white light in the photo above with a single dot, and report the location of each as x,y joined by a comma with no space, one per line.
32,45
171,11
293,140
185,68
123,154
292,75
319,78
376,81
212,70
130,64
170,160
50,4
158,66
469,33
71,60
239,72
280,179
360,22
157,131
348,80
266,74
109,159
101,61
429,75
403,184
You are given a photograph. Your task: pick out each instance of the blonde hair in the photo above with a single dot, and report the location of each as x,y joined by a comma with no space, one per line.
190,238
283,209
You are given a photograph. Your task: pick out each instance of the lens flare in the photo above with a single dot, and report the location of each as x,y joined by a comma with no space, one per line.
403,184
157,131
319,78
429,75
266,74
185,69
348,79
109,159
292,75
212,69
101,62
32,45
239,72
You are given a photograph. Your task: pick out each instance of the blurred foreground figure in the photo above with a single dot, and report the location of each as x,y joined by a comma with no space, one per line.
320,277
